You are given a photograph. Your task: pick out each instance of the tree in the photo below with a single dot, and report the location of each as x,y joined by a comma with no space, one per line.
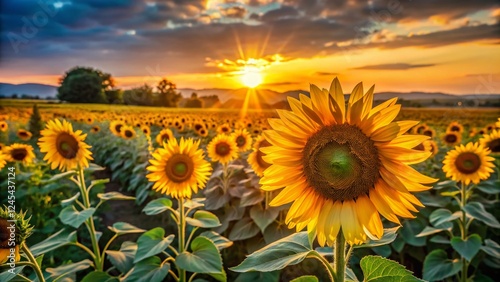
142,95
167,94
114,96
35,123
194,102
84,85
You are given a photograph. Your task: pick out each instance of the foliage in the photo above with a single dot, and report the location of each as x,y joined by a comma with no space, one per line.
84,85
35,124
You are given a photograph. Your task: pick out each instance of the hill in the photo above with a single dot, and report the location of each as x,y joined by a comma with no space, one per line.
43,91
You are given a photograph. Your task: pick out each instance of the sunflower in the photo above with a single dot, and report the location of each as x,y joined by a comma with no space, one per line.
2,147
2,160
20,153
203,132
179,169
224,129
342,167
95,129
429,132
452,138
497,124
255,158
491,142
3,126
469,163
22,231
65,148
116,126
24,135
146,130
433,145
455,127
419,129
242,139
164,136
222,149
127,132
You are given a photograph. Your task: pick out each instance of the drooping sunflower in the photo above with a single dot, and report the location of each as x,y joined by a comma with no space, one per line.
127,132
255,158
164,136
3,126
455,127
22,231
95,129
65,148
222,149
342,167
24,134
116,126
469,163
20,153
491,142
242,139
179,169
452,138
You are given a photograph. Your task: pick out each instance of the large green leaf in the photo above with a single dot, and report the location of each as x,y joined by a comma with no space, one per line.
220,241
491,248
72,217
204,219
380,269
56,177
437,266
157,206
99,276
70,201
477,211
204,258
59,239
409,231
148,270
254,276
123,259
440,216
121,228
6,276
64,270
151,243
467,248
428,230
305,278
263,217
244,229
489,187
388,237
275,256
350,276
114,196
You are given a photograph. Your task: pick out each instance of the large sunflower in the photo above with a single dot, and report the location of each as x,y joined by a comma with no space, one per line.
20,153
255,158
469,163
492,142
341,166
242,139
222,149
65,148
179,169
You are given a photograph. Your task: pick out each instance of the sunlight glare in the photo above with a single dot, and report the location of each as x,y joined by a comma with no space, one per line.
251,77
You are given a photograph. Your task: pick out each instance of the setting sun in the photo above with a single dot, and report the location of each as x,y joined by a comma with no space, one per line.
251,77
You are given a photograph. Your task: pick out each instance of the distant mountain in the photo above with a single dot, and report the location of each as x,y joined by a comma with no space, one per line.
43,91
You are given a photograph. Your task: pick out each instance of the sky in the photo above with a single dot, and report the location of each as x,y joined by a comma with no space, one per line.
449,46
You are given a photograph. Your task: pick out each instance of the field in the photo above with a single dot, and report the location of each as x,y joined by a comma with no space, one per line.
121,210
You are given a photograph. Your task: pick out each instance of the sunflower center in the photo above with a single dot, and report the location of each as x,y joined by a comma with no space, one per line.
341,162
419,147
4,234
118,128
128,133
67,145
455,128
179,168
222,149
23,134
450,138
240,141
19,154
494,145
428,133
468,163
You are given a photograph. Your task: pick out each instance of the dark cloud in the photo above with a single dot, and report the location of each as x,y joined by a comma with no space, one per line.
396,66
279,84
234,12
321,73
282,13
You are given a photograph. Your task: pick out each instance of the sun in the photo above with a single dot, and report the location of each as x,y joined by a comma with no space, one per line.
251,77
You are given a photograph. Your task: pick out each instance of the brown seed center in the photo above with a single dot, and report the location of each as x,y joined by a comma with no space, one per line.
67,145
19,154
467,163
222,149
494,145
450,138
259,155
241,141
4,234
179,168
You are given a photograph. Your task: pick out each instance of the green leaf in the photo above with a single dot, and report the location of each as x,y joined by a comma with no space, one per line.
204,219
121,228
440,216
290,250
123,259
61,271
157,206
243,229
467,248
114,196
437,266
491,248
72,217
99,276
205,258
350,276
377,268
429,231
59,239
151,243
148,270
489,187
251,197
6,276
388,237
194,203
253,276
56,177
305,278
70,201
263,217
440,239
477,211
409,231
94,167
220,242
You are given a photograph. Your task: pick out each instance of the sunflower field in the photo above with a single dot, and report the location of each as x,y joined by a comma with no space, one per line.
334,188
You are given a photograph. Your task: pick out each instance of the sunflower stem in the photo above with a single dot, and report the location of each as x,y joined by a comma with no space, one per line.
464,227
339,257
182,229
33,262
